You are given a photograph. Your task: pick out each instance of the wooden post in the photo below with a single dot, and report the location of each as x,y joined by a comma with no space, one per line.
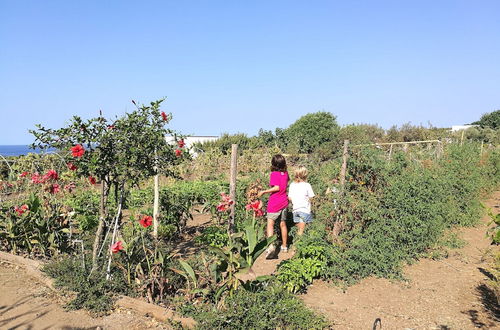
343,170
405,147
156,201
390,152
439,150
232,183
156,205
462,138
481,151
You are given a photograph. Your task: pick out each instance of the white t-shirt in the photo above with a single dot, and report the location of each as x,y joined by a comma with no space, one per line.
300,193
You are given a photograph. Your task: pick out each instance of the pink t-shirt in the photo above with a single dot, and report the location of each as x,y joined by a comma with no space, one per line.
278,200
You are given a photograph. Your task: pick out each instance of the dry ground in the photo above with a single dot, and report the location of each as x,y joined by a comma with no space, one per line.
438,294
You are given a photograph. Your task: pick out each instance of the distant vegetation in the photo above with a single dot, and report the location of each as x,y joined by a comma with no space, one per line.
320,133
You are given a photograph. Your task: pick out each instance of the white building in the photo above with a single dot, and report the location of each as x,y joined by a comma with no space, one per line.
456,128
191,140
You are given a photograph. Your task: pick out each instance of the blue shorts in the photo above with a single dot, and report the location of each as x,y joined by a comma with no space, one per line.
302,217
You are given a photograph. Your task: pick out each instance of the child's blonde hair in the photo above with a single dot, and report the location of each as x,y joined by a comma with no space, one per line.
300,173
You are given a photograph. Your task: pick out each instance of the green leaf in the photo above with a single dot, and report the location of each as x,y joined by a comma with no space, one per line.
190,271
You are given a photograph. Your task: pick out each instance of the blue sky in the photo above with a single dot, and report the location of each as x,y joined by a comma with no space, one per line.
237,66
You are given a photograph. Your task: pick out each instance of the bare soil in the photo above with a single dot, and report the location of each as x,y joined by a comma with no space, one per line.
28,304
438,294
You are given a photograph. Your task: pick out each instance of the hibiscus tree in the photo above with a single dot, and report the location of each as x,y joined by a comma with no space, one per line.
116,153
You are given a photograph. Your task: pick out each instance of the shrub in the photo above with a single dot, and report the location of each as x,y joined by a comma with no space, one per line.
92,292
215,236
273,308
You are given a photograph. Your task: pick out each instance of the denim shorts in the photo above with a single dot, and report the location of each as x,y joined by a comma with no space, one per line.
302,217
275,215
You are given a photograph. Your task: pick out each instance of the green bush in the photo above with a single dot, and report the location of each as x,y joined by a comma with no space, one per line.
273,308
215,236
91,292
85,204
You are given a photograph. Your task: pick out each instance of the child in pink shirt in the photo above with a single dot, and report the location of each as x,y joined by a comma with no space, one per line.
278,200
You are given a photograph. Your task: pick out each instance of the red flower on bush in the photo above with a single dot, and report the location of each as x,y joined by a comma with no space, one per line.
181,143
77,150
178,152
72,166
111,126
50,175
225,204
92,180
164,116
53,188
24,174
146,221
258,213
117,247
256,207
35,178
21,210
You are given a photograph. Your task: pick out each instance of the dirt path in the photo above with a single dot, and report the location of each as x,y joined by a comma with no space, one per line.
27,304
439,294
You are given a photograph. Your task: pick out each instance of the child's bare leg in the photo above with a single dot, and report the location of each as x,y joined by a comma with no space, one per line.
301,226
284,233
270,227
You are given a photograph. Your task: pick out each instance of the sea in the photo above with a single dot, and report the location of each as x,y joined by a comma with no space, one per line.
18,150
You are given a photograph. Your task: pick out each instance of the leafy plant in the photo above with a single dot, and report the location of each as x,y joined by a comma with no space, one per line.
269,308
215,236
237,257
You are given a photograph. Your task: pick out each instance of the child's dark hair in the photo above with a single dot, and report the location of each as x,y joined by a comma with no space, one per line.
278,163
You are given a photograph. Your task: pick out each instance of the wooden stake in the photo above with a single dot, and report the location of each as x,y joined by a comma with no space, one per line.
232,184
343,170
390,152
156,201
156,205
115,231
439,150
481,151
462,138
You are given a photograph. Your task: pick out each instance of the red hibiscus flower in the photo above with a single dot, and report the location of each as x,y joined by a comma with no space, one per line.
53,188
146,221
72,166
35,178
22,209
181,143
117,247
92,180
50,175
164,116
77,150
111,126
24,174
178,152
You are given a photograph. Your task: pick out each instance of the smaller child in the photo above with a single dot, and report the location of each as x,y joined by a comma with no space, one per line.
300,193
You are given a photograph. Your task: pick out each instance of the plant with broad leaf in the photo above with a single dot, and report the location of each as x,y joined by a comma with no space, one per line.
238,256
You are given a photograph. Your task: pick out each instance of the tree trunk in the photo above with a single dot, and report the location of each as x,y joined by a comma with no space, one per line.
102,224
